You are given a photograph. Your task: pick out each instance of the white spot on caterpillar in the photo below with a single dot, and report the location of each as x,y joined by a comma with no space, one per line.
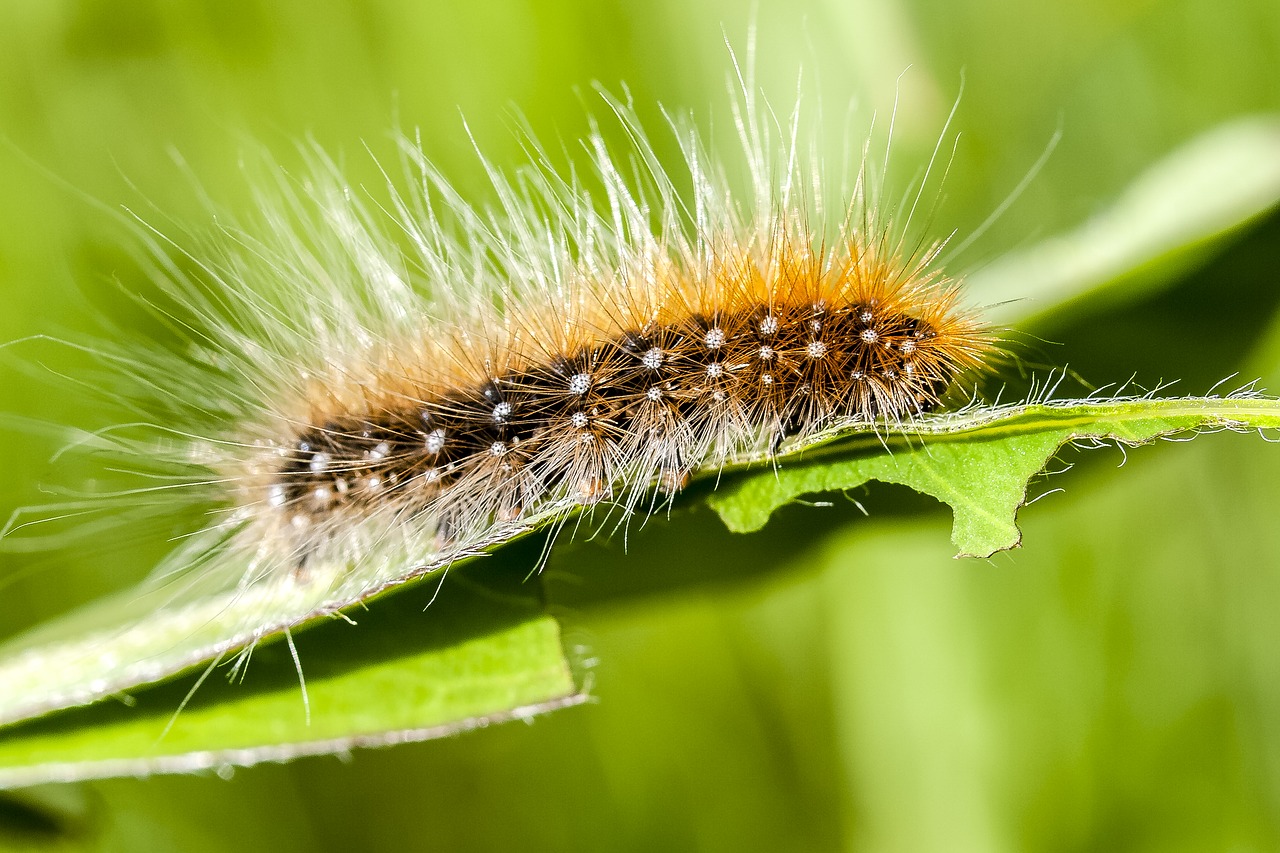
579,420
276,497
502,413
816,349
908,347
652,359
498,449
580,384
866,316
766,378
379,451
654,394
869,336
766,353
319,463
769,325
435,441
715,370
714,338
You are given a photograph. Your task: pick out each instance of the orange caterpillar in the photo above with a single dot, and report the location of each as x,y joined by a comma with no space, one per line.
375,389
635,383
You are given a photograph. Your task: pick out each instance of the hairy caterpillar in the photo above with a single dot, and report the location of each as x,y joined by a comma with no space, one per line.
372,390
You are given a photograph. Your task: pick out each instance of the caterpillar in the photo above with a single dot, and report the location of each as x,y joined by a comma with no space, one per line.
370,388
668,370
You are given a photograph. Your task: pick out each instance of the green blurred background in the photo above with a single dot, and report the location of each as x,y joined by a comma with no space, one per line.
844,684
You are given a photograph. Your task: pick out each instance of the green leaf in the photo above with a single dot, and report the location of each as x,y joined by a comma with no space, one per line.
484,653
980,462
479,654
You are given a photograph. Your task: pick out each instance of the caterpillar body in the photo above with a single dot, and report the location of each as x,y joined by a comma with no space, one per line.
378,387
650,380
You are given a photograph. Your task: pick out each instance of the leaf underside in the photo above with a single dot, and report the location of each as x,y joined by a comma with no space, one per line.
485,650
